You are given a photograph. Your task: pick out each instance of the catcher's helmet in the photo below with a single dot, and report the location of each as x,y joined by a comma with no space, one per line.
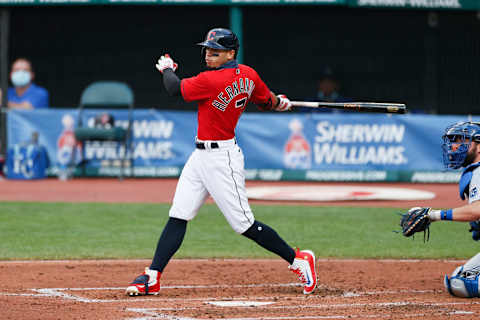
222,39
456,142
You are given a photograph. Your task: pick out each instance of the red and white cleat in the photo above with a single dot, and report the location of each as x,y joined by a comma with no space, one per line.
304,267
146,283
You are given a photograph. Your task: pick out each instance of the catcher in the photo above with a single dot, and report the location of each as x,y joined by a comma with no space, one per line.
461,148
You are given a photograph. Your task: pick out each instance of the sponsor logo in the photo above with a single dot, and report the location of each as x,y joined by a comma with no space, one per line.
297,152
359,144
474,192
452,4
309,281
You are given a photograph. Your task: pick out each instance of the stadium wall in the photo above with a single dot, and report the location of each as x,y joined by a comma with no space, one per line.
427,59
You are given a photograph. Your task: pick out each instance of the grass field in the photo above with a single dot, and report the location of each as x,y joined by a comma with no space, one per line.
124,231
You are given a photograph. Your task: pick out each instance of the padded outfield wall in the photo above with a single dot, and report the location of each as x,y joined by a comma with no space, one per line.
286,146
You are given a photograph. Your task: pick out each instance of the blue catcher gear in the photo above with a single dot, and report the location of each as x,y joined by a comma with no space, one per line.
475,230
464,280
456,142
220,38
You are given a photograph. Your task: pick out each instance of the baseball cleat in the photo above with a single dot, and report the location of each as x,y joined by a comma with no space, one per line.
304,267
146,283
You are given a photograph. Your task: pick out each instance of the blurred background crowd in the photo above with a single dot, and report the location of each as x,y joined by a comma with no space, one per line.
336,51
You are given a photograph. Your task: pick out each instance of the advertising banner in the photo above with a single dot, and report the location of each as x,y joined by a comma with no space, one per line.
345,147
277,146
161,141
406,4
419,4
169,2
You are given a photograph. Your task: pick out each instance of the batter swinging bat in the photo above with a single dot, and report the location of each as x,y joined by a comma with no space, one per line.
382,107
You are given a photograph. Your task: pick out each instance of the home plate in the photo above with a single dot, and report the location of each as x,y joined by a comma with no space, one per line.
239,303
336,193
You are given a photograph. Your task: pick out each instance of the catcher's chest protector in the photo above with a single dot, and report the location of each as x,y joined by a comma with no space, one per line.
465,179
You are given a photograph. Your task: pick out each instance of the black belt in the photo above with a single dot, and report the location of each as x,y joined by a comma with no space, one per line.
201,145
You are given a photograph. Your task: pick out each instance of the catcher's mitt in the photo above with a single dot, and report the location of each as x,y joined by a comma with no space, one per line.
416,220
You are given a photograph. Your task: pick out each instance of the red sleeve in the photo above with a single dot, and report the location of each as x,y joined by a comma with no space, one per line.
195,88
261,93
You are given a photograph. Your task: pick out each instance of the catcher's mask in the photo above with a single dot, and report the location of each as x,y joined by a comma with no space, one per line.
456,143
220,38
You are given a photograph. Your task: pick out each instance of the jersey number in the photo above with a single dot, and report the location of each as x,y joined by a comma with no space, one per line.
241,103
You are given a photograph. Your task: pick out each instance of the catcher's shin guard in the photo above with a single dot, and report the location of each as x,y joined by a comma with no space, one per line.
146,283
304,267
462,283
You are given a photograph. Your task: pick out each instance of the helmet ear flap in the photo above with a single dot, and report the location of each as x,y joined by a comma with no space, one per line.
476,137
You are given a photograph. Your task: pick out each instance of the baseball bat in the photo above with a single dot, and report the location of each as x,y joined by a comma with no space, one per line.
381,107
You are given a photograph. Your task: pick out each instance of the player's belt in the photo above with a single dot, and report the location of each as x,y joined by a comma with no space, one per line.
201,145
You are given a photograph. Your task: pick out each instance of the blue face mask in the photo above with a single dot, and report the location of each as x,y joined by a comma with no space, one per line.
21,78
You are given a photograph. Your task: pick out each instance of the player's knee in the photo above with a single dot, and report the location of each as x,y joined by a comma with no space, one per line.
252,232
463,283
177,213
257,231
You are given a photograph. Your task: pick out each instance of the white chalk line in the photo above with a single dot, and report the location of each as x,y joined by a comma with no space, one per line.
152,315
61,292
330,305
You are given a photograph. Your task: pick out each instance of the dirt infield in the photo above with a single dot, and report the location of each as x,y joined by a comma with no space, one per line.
221,289
162,191
207,289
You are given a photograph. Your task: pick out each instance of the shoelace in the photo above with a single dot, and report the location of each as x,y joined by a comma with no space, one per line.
300,274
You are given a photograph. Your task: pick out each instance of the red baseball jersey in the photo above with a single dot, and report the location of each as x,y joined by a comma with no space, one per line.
222,96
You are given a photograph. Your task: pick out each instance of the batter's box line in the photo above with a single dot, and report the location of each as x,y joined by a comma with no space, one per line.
60,293
151,314
324,305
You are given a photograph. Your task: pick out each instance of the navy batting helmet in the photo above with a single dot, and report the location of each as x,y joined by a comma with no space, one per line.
456,143
220,38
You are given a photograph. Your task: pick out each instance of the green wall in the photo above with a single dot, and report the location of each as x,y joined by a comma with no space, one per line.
379,54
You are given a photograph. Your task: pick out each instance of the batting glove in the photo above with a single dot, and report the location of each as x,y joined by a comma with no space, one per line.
283,104
165,62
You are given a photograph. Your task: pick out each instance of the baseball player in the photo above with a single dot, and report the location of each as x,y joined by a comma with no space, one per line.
216,167
461,148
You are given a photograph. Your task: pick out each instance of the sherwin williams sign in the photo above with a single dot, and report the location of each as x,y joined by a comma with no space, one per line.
362,144
410,4
277,146
169,2
419,4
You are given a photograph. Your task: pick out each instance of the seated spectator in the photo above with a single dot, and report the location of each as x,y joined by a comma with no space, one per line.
25,94
328,90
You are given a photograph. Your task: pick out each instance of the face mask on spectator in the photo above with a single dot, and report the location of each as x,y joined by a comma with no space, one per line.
21,78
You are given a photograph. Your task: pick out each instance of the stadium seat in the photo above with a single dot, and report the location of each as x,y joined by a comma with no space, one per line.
102,95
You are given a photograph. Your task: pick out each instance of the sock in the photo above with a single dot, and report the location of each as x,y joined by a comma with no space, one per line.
268,238
169,242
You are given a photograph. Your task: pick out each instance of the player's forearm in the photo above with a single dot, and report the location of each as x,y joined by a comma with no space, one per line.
270,104
469,212
274,99
171,82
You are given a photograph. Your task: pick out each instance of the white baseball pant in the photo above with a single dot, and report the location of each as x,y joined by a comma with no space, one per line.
220,173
